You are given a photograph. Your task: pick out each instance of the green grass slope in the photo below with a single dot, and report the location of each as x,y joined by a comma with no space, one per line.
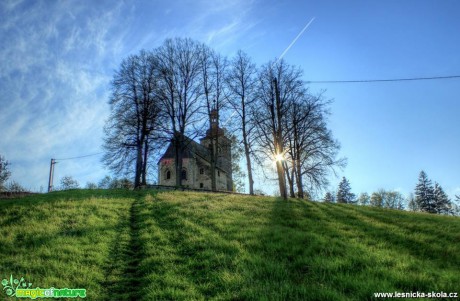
144,245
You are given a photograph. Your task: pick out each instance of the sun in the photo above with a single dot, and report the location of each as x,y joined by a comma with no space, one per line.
279,157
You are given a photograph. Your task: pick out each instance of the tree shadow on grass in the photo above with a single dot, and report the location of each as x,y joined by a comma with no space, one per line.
435,229
317,252
282,266
406,263
378,229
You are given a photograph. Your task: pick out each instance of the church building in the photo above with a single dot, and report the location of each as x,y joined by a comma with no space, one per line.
196,166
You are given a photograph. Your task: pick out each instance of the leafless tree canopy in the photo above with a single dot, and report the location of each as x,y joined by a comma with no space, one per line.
291,129
4,171
174,90
135,116
279,85
180,92
312,150
213,71
241,84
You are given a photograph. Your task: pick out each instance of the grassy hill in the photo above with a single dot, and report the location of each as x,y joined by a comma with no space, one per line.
143,245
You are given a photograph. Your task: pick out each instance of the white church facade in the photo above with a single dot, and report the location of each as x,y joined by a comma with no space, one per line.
196,166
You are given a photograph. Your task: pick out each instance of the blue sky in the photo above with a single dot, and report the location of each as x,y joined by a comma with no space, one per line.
58,57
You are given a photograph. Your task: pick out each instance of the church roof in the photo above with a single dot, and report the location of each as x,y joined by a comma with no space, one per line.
192,150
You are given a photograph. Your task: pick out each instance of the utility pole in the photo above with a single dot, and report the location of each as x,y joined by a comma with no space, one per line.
50,183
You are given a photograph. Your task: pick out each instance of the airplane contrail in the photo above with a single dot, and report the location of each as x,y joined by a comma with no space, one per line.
281,56
295,40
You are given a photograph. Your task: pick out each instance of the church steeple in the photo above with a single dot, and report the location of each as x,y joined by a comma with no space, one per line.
214,119
214,131
215,138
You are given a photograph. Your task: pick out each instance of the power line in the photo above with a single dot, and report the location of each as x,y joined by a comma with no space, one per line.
54,161
80,156
382,80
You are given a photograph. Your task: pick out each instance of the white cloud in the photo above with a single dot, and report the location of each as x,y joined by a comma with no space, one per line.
10,5
56,68
54,86
230,21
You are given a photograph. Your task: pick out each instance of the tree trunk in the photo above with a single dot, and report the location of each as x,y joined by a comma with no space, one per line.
291,185
249,167
281,179
299,181
279,143
290,179
298,164
144,166
137,177
248,159
178,143
213,165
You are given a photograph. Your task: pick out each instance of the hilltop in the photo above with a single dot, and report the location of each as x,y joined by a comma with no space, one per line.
145,245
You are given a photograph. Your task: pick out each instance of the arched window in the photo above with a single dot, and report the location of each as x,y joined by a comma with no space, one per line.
168,174
184,174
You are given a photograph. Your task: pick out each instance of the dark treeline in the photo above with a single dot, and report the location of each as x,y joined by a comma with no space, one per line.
168,93
426,198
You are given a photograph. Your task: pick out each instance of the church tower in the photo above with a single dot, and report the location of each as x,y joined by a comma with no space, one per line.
222,147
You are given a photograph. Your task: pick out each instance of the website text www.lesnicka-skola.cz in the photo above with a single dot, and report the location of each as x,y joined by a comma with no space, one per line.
416,295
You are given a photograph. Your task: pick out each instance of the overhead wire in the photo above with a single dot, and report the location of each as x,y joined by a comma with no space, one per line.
381,80
84,156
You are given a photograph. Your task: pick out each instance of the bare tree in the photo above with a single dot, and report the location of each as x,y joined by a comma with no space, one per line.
135,116
291,128
213,68
363,199
238,175
180,92
4,171
67,182
312,151
14,186
411,203
277,88
387,199
241,85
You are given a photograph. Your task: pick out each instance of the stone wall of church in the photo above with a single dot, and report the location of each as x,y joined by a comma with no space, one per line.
197,174
224,160
203,179
167,172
